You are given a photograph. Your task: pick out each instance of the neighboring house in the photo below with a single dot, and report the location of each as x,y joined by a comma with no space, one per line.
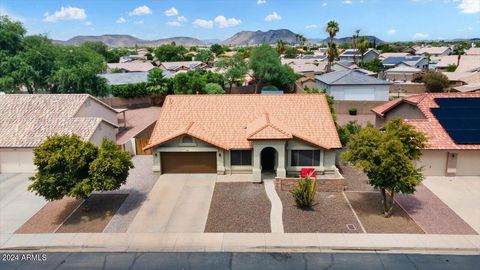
402,73
353,85
349,54
411,61
305,81
305,66
253,134
451,122
129,77
473,51
469,63
392,54
26,120
343,65
441,63
133,66
433,51
182,66
301,61
462,78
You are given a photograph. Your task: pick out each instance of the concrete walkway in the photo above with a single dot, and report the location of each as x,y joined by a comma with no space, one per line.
276,215
461,194
178,203
242,242
17,204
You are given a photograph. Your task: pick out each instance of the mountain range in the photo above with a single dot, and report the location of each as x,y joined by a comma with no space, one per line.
130,41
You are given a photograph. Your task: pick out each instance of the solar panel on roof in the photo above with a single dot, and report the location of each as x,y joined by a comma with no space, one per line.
460,117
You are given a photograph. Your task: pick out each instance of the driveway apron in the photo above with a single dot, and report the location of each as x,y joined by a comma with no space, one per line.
178,203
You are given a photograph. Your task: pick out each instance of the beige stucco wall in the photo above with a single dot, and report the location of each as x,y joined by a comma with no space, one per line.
404,111
16,160
104,130
468,163
93,108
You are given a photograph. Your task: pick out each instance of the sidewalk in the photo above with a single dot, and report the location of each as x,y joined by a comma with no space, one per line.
242,242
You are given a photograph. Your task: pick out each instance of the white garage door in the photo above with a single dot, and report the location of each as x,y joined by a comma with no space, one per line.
468,163
16,161
360,94
434,163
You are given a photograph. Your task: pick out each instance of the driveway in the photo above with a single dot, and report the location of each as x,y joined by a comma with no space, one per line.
17,204
461,194
178,203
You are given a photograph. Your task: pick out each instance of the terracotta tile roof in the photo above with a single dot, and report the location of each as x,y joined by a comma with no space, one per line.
233,121
431,50
27,119
438,138
137,121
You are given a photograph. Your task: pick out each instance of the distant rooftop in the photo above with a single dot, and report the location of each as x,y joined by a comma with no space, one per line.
349,77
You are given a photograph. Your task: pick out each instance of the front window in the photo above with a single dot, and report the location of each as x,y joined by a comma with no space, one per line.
305,158
241,157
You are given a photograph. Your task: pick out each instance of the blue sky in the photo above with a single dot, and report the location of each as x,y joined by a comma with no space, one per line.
391,20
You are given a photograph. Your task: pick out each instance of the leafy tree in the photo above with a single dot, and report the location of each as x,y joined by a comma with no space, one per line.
285,77
11,35
435,81
362,46
98,47
280,47
387,157
348,130
181,84
265,63
308,90
374,65
235,69
158,83
170,53
217,49
69,166
206,56
213,88
114,54
332,54
291,52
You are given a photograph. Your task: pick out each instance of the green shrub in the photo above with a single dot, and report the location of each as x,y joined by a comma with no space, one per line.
130,90
214,88
352,111
304,194
269,87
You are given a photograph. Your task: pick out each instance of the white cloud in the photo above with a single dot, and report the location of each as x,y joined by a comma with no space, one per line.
311,26
420,36
87,23
469,6
174,23
171,12
202,23
261,2
324,4
223,22
181,18
347,2
392,32
470,28
273,17
142,10
66,14
121,20
138,22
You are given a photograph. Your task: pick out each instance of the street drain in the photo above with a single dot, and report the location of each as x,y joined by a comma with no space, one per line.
351,227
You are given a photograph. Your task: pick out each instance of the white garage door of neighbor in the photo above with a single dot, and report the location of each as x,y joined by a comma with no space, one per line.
19,161
434,163
468,163
360,94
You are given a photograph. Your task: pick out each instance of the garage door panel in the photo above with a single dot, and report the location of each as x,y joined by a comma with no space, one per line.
360,94
434,163
468,164
188,162
16,161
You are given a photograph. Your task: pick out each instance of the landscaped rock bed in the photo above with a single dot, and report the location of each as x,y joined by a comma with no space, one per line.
50,217
239,208
101,208
355,179
369,209
330,214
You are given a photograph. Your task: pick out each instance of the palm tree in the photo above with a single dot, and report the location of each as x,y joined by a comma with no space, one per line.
355,44
362,46
280,47
332,29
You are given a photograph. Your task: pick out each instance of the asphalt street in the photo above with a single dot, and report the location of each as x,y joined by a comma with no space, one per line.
226,260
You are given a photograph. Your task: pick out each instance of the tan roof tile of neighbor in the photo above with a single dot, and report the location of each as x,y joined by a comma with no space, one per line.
27,119
233,121
134,66
438,138
469,63
431,50
473,51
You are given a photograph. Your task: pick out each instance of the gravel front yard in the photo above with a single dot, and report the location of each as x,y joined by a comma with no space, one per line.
50,217
355,179
102,207
330,214
368,206
239,208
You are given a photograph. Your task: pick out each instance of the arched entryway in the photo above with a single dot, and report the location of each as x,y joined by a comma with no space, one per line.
268,160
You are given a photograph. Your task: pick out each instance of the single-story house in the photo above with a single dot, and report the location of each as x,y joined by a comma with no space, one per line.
433,51
451,122
182,66
129,77
462,78
441,63
411,61
402,73
26,120
473,51
469,63
349,54
249,133
392,54
343,65
353,85
133,66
